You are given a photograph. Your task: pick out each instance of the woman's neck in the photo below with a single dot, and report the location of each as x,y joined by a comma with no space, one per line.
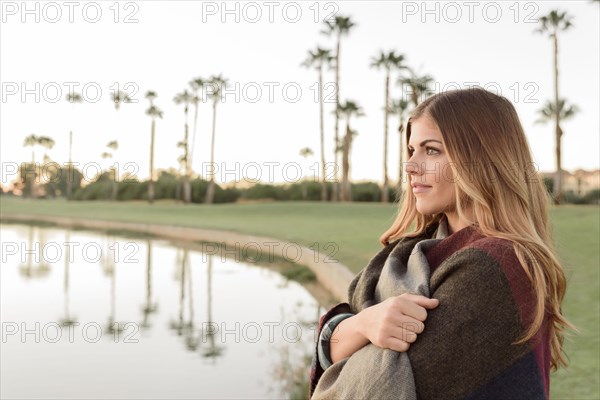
455,224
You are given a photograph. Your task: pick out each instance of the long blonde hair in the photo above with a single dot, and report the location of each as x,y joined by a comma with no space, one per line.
488,150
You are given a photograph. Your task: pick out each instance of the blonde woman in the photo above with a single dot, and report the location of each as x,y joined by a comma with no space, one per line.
467,303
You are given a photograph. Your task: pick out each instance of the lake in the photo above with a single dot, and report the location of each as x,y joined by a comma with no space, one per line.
97,315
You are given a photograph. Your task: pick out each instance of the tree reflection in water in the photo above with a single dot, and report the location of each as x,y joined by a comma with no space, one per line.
109,268
42,268
67,320
149,307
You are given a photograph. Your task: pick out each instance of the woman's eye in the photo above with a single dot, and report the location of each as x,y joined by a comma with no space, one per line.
432,149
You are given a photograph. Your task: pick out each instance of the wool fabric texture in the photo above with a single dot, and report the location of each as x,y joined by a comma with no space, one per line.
466,350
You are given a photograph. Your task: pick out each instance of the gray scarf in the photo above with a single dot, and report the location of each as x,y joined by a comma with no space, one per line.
391,375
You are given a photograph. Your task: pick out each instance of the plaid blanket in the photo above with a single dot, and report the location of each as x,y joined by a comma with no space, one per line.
466,350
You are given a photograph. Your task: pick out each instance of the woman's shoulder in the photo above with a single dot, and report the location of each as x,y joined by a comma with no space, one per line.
499,253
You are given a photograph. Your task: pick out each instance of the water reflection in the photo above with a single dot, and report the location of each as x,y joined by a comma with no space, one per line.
149,307
67,320
176,323
41,268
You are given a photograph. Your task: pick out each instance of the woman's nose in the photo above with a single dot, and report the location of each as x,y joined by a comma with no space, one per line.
411,168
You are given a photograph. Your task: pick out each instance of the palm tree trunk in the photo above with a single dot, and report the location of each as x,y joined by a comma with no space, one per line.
414,95
151,182
115,185
400,152
384,190
558,177
335,194
187,189
70,175
346,163
194,132
210,191
322,128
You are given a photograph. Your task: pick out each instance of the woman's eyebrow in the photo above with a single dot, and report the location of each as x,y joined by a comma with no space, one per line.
427,141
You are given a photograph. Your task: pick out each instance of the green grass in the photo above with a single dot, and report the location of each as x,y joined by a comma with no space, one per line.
350,230
355,228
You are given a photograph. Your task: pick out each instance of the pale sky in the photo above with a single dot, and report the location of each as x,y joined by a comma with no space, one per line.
175,41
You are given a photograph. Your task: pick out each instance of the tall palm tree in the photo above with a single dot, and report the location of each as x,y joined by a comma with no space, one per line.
72,98
349,109
197,85
26,174
419,85
218,84
117,97
551,24
337,28
154,112
317,59
548,113
399,107
387,61
185,98
305,152
114,145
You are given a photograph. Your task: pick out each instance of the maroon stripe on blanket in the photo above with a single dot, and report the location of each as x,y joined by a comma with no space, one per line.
522,291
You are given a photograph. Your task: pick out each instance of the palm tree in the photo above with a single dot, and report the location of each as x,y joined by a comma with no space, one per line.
419,85
71,98
551,24
305,152
117,98
218,83
30,141
318,59
400,108
154,112
348,109
339,27
47,143
185,98
548,113
387,61
197,86
114,145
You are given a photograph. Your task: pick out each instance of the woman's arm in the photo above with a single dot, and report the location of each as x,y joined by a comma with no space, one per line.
392,324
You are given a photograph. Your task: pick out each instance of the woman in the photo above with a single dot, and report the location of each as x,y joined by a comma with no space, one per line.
468,304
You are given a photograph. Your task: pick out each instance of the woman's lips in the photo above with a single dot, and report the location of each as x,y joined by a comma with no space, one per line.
420,188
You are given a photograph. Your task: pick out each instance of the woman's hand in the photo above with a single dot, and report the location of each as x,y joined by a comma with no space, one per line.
394,323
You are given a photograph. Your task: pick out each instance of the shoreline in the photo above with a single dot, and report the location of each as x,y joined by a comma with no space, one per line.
332,275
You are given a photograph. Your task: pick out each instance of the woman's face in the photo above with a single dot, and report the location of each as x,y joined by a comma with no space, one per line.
428,165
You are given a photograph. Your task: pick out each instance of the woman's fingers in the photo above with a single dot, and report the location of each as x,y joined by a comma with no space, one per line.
395,344
423,301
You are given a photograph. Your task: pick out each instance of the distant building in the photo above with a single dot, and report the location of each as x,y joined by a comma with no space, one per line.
580,182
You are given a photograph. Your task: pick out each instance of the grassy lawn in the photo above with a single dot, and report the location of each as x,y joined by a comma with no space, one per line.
355,229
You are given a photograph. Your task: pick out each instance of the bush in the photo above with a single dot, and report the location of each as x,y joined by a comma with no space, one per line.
592,197
262,191
368,191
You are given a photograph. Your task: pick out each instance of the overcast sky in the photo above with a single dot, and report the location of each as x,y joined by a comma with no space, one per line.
160,46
